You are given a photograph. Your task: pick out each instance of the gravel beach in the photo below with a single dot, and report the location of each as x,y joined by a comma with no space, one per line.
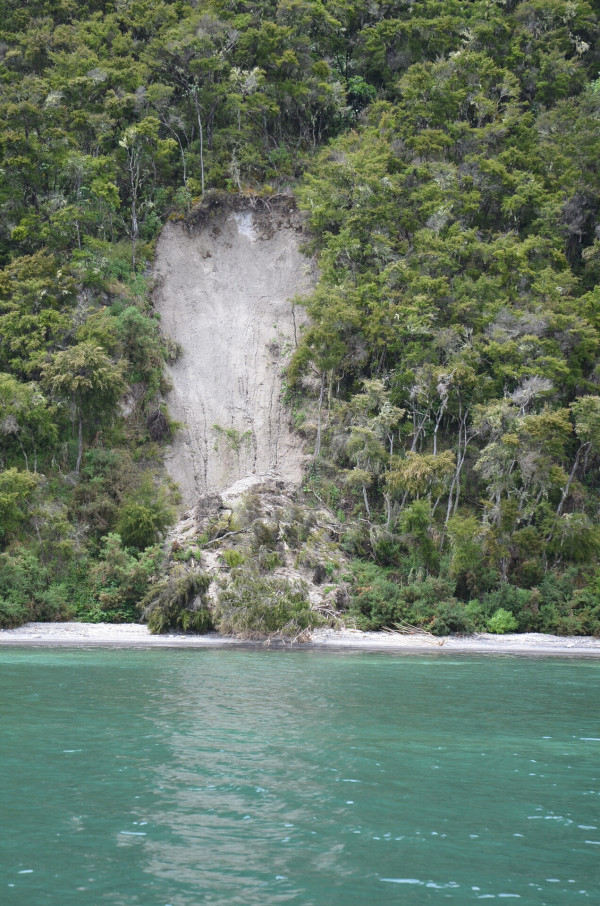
132,635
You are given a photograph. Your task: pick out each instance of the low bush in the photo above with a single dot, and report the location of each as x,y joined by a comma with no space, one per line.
256,607
233,558
118,581
577,614
451,617
521,603
12,613
502,621
143,519
28,591
265,534
268,560
378,604
179,602
182,554
380,601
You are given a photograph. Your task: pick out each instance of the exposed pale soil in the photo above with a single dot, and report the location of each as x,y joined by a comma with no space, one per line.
224,291
107,635
226,281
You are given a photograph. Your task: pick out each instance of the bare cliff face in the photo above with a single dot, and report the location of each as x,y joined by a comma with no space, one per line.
225,286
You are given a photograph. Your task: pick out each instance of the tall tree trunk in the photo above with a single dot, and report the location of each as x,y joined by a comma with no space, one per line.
134,167
464,439
366,500
80,443
318,440
174,132
23,451
135,229
201,133
438,422
417,431
456,477
567,487
388,510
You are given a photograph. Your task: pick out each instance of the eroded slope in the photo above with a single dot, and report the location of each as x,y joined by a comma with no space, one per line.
224,290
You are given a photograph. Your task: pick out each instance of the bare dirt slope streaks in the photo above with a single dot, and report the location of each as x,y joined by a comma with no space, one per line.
224,293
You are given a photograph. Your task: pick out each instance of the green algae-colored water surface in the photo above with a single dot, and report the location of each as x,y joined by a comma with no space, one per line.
179,778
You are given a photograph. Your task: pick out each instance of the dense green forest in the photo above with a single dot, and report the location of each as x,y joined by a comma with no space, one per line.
446,154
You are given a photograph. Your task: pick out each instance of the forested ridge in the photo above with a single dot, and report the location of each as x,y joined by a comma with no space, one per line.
445,154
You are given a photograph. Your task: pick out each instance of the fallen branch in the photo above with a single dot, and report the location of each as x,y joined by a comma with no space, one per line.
226,535
324,505
404,628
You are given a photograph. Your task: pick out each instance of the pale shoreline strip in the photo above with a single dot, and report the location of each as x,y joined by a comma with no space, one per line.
133,635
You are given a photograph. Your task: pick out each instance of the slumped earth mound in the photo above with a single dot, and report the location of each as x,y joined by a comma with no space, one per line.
226,279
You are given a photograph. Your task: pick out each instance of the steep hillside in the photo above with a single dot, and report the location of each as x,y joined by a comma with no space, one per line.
448,382
225,288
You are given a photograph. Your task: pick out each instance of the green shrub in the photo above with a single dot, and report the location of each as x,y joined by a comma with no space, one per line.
27,591
143,518
234,439
55,604
268,560
578,614
502,621
172,350
137,525
178,602
428,602
257,607
415,525
475,613
16,490
233,558
378,604
521,603
22,579
451,617
13,613
265,534
118,581
585,604
297,525
140,341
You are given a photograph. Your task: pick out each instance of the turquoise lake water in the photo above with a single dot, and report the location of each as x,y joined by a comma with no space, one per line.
178,778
